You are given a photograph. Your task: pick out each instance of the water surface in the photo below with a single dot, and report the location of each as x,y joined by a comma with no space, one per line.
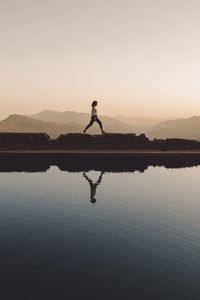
101,235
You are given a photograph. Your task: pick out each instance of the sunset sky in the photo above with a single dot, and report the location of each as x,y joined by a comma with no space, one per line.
137,57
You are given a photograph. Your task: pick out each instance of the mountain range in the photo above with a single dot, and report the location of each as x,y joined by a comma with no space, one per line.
110,124
55,123
181,128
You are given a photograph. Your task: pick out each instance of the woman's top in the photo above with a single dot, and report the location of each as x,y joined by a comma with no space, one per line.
94,111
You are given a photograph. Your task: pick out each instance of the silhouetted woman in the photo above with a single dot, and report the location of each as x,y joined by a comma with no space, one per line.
94,118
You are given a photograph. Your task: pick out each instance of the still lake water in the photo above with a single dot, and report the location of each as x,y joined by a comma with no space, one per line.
128,236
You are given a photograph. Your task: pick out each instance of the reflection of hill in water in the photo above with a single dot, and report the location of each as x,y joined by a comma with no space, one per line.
33,163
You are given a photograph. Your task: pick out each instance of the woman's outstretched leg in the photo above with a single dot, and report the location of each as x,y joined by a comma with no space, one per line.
100,124
89,125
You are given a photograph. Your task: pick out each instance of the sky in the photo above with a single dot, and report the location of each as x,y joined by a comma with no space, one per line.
137,57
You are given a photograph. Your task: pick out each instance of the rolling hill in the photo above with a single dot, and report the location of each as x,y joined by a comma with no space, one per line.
181,128
140,121
110,124
56,123
19,123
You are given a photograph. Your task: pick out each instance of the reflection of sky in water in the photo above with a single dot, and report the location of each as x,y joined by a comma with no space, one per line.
142,230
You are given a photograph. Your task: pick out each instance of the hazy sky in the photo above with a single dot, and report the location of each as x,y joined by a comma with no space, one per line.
137,57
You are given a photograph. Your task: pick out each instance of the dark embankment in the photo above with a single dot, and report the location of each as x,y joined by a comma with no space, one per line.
78,141
24,141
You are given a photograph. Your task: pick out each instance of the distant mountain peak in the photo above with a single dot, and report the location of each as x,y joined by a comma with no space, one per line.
15,116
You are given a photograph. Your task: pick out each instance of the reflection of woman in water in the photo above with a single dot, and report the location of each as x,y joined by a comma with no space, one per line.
93,186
